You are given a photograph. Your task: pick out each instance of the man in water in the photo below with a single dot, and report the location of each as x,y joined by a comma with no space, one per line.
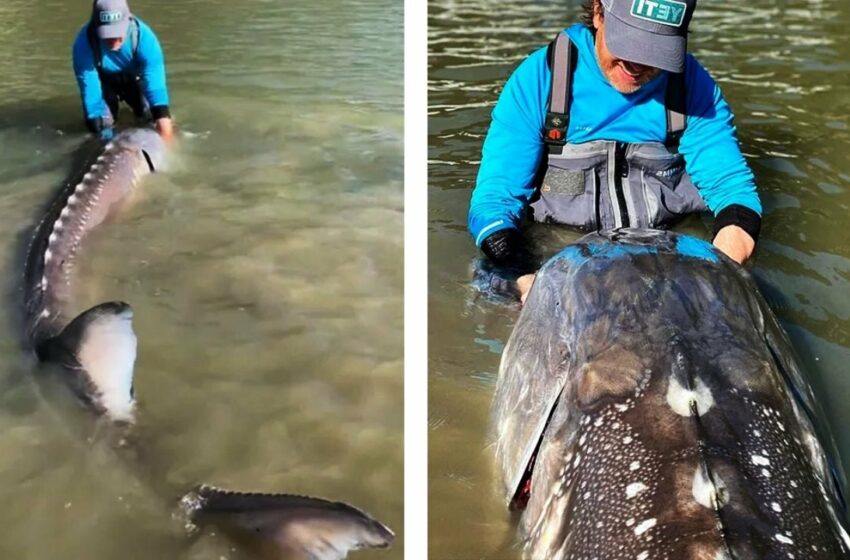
613,125
118,57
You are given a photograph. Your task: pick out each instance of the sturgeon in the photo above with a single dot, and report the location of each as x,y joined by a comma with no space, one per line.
96,351
650,406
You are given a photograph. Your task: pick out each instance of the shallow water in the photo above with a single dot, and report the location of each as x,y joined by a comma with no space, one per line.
265,270
784,68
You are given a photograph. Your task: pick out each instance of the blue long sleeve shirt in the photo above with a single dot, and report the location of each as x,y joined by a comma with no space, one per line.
514,148
148,62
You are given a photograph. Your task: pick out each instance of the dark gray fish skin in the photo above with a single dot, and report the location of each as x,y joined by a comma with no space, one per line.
97,351
659,408
299,526
80,206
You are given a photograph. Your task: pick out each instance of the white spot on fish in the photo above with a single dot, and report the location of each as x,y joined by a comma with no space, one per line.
760,460
643,555
635,465
707,494
627,440
793,484
621,407
65,212
598,422
765,473
43,282
53,237
634,489
756,433
775,507
645,526
47,256
72,199
630,522
679,398
783,539
45,313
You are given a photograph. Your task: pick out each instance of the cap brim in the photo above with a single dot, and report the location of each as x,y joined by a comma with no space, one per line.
113,31
650,49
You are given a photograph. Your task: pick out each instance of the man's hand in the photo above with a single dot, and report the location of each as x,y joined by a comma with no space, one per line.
524,283
165,128
735,243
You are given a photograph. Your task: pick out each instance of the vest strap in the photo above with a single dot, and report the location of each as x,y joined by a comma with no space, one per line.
562,56
675,104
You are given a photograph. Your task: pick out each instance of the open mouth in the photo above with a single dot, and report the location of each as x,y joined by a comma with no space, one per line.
631,70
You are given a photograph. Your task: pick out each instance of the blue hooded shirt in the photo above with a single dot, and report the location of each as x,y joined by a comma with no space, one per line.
148,62
514,150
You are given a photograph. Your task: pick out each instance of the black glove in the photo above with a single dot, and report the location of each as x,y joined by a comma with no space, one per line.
503,246
95,125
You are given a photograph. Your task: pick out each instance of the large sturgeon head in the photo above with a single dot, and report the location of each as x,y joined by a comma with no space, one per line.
650,406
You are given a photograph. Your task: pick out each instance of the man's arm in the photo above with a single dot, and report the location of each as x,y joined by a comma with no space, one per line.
88,81
152,64
717,167
510,159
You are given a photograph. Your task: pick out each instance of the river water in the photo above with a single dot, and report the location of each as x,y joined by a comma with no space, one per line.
265,270
784,66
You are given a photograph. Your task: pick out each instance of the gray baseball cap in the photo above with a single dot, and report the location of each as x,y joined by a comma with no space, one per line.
111,18
650,32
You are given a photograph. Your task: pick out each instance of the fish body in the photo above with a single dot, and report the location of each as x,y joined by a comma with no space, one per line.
96,352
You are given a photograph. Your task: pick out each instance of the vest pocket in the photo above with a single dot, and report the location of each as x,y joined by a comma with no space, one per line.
567,196
668,191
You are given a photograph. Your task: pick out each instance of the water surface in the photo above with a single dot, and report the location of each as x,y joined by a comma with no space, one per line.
265,270
785,69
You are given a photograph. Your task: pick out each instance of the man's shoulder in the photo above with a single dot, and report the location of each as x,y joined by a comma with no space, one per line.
145,30
82,35
696,74
81,41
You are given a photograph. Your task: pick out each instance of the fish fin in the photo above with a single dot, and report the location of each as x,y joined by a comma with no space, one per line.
304,526
99,345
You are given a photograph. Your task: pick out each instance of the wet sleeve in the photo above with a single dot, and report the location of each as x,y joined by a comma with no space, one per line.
512,151
710,146
152,65
87,78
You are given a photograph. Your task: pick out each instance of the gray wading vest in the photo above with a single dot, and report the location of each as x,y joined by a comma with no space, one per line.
604,184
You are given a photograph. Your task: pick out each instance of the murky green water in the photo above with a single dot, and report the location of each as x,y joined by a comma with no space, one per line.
265,271
784,66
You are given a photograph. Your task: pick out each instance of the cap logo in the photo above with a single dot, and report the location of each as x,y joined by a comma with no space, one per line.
110,17
665,12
